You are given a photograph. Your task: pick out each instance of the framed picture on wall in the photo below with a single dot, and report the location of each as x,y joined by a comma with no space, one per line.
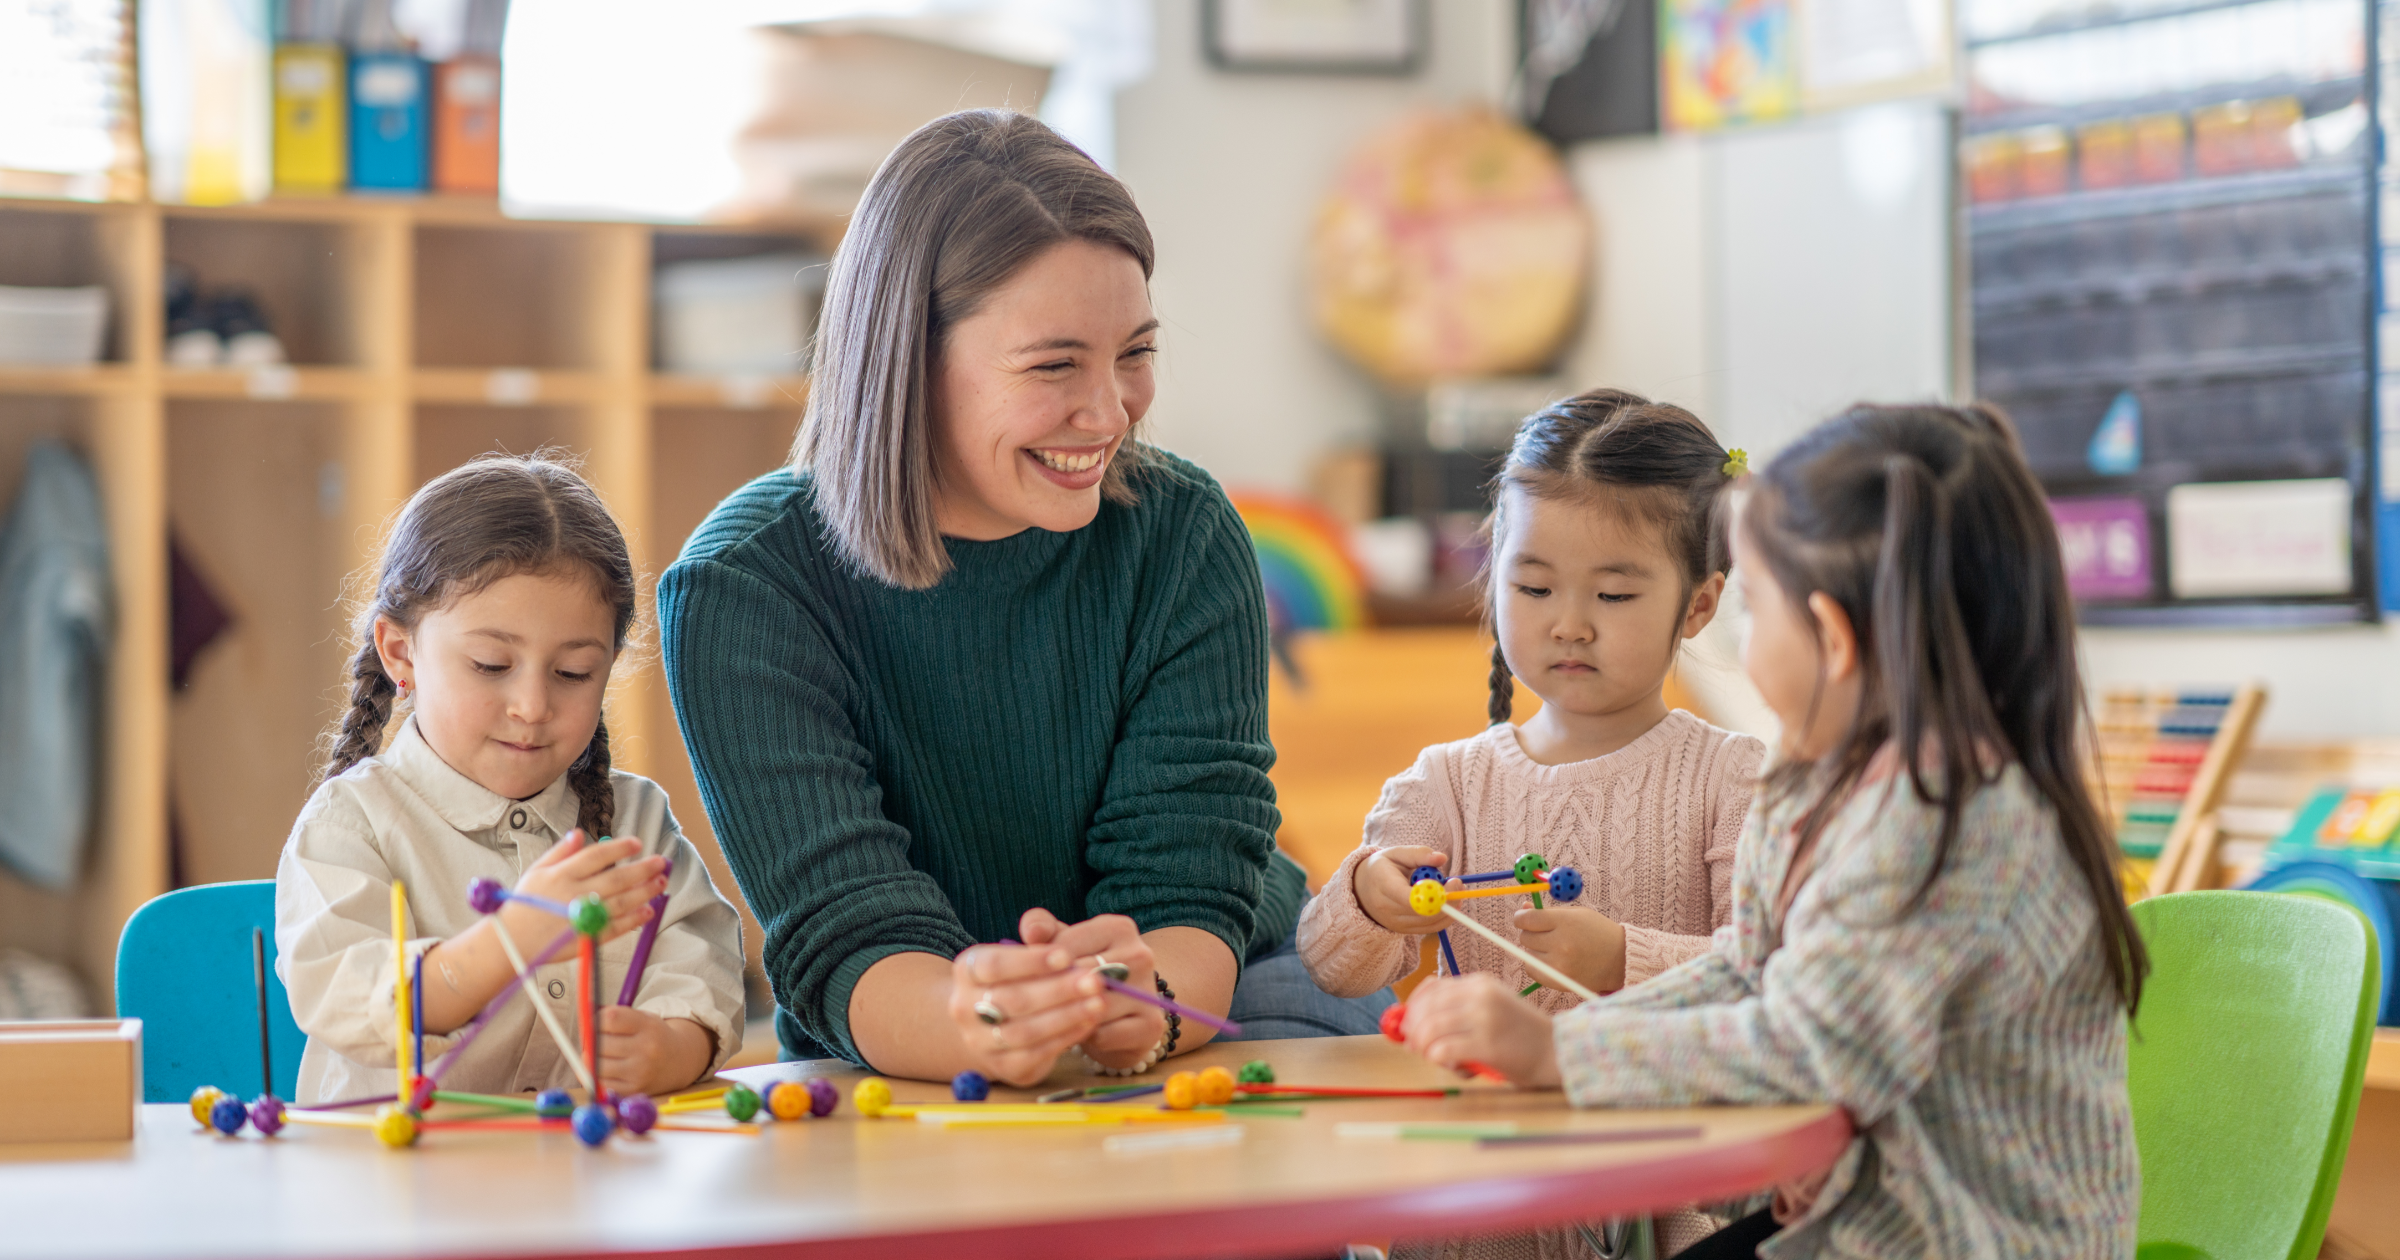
1314,36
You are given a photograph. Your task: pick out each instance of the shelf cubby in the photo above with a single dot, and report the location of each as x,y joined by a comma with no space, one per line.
307,278
44,246
256,499
423,332
510,296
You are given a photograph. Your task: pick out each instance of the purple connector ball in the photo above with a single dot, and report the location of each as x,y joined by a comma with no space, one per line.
822,1097
266,1115
229,1115
1566,884
637,1113
970,1087
553,1104
486,895
593,1124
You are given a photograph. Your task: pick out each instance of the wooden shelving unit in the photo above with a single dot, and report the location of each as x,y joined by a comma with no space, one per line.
421,332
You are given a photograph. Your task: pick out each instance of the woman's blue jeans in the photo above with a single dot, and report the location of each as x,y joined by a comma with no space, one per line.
1275,999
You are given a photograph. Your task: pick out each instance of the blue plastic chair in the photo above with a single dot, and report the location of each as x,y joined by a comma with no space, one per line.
184,970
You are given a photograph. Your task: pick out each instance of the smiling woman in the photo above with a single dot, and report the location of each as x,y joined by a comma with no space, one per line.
982,668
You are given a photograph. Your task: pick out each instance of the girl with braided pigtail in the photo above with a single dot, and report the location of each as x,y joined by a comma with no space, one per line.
1608,551
504,598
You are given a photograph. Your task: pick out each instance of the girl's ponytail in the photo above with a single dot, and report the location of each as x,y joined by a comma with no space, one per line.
595,796
1504,688
360,734
1923,658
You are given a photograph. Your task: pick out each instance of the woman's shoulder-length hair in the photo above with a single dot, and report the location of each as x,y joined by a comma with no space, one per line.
965,202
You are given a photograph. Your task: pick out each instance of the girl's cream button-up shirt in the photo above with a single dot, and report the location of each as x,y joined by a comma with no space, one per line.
407,815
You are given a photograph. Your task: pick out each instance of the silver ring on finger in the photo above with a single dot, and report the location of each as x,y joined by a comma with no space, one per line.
989,1011
1118,972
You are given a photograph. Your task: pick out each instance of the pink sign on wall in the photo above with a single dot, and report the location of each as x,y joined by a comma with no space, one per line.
2106,543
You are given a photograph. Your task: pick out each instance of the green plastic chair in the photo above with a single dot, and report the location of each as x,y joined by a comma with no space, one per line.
2245,1069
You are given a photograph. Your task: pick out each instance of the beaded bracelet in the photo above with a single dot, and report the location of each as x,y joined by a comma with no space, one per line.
1166,1040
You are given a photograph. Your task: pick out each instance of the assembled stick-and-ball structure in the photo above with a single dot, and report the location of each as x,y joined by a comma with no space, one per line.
398,1119
1429,897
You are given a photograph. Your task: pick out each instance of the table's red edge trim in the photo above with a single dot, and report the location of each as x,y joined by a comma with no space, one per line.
1505,1203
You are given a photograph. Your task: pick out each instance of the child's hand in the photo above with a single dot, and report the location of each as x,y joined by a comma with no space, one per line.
1382,883
1456,1020
574,867
643,1054
1585,944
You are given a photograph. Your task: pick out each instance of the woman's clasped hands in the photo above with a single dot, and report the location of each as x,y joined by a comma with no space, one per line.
1018,1007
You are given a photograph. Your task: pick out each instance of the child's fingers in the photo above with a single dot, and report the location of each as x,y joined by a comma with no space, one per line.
1537,922
568,846
596,858
625,1021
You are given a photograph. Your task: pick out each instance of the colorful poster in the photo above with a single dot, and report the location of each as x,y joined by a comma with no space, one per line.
1726,61
2106,545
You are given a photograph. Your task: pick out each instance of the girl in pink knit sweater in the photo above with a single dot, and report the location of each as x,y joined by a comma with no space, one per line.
1608,551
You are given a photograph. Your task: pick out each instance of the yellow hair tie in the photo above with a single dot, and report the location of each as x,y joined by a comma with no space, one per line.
1737,462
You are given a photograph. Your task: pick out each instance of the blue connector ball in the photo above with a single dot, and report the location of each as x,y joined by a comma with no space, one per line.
229,1115
593,1124
1423,873
970,1087
1566,884
553,1104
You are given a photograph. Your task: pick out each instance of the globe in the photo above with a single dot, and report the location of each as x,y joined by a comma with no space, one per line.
1451,245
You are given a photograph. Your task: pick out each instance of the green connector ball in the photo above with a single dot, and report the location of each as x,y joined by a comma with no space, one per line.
1256,1072
588,914
741,1102
1530,865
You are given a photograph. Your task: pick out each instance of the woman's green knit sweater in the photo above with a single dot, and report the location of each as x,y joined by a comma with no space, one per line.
1076,721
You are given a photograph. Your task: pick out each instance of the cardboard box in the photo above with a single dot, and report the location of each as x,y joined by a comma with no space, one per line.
70,1080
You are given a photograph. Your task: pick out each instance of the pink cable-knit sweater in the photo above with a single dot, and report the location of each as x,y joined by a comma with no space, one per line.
1651,827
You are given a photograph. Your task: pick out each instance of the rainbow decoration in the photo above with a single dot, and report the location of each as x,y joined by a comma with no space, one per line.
1313,582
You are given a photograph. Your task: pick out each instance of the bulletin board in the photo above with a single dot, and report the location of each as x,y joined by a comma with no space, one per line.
2172,253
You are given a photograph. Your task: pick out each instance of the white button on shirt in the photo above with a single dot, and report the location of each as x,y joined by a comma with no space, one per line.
408,815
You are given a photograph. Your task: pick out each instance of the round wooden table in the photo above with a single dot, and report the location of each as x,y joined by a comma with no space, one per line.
845,1186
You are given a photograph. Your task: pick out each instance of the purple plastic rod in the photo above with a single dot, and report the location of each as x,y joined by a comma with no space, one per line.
483,1019
649,937
1488,877
1221,1025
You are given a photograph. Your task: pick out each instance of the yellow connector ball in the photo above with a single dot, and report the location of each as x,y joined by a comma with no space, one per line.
1216,1086
872,1096
394,1127
1426,897
204,1100
1183,1091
